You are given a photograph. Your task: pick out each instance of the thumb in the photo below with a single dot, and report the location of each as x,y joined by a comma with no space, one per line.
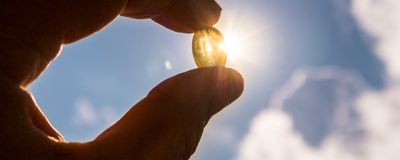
168,123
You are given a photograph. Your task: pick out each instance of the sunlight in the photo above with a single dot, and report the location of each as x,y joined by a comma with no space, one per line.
247,48
233,45
245,43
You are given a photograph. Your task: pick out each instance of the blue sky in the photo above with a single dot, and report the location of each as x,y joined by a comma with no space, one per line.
316,72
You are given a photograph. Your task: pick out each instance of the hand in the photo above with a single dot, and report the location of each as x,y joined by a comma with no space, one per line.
166,124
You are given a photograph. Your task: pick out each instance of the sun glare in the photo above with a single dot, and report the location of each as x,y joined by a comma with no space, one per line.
233,45
244,42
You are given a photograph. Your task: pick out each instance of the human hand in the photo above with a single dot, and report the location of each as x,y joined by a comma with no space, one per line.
166,124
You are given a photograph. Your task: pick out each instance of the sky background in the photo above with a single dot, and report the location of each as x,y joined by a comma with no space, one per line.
322,80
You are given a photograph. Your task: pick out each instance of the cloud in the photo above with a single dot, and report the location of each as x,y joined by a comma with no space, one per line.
359,123
380,20
311,117
380,110
271,136
85,114
328,118
380,118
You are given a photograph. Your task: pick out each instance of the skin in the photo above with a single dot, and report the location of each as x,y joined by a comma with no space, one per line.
166,124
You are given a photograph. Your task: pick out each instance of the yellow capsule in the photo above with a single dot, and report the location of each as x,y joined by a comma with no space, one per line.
207,48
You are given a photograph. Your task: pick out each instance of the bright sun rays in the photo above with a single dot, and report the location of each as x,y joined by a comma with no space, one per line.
247,47
248,41
233,45
244,44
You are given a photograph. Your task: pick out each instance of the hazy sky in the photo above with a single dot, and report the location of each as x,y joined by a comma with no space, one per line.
322,79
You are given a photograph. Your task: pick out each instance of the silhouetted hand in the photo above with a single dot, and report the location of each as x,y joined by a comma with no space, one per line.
166,124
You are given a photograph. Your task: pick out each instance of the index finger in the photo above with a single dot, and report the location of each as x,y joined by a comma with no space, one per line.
178,15
190,15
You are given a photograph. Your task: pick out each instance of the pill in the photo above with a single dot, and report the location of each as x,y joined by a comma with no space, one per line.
207,48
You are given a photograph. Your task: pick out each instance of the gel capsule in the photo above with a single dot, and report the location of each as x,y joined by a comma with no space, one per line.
207,50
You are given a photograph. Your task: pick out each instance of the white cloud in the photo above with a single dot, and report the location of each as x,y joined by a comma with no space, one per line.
272,137
380,19
365,122
281,132
380,110
85,114
380,118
